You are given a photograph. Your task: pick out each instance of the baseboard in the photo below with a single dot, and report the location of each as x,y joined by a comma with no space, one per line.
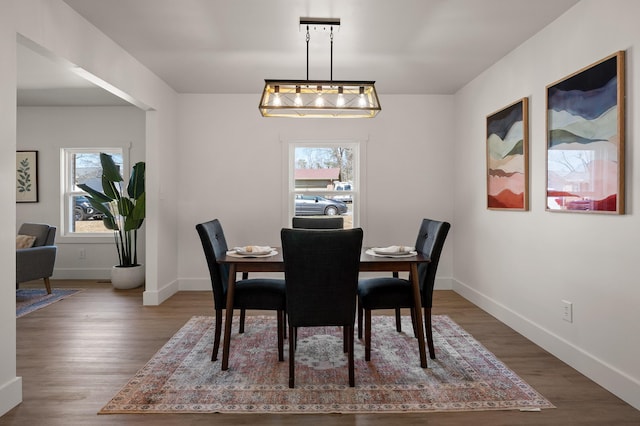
615,381
10,395
154,298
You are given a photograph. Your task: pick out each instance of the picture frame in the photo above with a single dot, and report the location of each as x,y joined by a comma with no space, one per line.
507,141
586,138
26,176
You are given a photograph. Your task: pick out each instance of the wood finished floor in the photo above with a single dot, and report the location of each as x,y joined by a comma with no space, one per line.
74,356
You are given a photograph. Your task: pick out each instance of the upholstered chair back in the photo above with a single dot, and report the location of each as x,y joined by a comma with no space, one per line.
430,242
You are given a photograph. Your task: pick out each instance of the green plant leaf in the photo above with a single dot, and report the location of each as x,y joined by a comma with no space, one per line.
110,170
110,188
110,223
98,196
136,182
138,212
125,206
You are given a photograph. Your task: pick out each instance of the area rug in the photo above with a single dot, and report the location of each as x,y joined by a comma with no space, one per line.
32,299
180,378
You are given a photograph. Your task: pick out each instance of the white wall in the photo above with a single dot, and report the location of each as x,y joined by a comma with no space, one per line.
47,130
232,168
519,265
10,384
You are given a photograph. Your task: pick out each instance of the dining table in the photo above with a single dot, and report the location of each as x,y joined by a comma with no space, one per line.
369,262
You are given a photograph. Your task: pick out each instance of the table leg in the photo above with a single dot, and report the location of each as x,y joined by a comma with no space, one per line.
418,308
228,317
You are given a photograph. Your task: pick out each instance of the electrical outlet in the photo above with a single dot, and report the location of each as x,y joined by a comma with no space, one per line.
567,311
82,254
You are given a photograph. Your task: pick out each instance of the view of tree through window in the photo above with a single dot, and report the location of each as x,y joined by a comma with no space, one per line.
324,158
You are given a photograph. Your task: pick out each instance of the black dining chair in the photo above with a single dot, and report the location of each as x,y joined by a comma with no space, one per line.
331,222
321,275
253,293
396,293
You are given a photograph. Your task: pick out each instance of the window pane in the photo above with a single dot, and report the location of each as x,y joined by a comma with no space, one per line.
85,167
88,170
323,181
85,217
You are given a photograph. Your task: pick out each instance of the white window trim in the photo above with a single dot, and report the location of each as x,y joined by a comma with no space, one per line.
357,192
64,234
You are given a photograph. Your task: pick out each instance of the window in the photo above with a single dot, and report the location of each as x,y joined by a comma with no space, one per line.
324,180
82,165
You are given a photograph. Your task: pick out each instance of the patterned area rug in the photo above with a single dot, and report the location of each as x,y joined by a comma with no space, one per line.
29,300
181,378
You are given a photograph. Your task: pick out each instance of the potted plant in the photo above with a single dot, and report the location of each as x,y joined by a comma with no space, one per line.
124,214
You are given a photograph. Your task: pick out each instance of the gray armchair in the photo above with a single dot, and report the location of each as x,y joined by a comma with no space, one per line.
37,261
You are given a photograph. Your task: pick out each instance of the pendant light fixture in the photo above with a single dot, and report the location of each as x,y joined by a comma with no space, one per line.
319,98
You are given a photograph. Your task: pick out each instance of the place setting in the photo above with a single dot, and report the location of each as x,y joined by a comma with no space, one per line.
252,251
392,251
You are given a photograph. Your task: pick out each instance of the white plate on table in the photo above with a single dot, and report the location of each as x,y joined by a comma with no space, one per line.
383,253
394,251
253,251
233,253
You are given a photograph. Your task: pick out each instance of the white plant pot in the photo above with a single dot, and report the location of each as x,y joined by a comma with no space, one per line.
125,278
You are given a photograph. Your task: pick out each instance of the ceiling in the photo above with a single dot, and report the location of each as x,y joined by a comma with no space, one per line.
231,46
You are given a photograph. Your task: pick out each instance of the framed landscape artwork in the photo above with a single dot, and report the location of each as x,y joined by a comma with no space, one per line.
27,176
585,139
508,158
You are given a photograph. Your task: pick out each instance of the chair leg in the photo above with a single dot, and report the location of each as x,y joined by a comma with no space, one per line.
429,332
352,375
360,312
284,319
292,353
217,332
280,316
367,335
47,284
241,326
345,339
398,321
245,275
413,322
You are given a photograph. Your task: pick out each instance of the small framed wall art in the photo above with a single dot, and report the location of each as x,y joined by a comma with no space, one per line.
585,139
27,176
508,157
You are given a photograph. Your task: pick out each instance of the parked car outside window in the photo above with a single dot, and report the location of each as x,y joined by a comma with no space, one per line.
307,205
343,186
83,210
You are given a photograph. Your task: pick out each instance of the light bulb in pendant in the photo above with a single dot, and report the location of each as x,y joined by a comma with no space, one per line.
340,100
362,101
319,99
276,96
